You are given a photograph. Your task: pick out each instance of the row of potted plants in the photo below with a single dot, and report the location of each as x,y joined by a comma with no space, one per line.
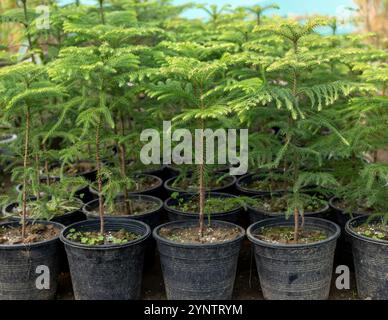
319,240
315,106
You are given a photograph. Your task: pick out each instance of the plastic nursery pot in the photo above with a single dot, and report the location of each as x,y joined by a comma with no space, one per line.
90,174
107,272
19,263
152,191
256,214
170,172
65,219
295,271
85,195
176,214
43,180
370,261
244,190
151,217
7,139
198,271
341,216
226,170
344,247
155,171
227,187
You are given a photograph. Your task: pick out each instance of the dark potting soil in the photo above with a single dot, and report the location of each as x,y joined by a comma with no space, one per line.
50,209
135,207
191,184
143,183
139,184
212,205
377,231
285,235
265,184
73,169
280,204
34,233
347,206
95,238
191,234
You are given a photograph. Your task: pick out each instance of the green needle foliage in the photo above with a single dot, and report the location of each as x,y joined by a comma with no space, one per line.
315,105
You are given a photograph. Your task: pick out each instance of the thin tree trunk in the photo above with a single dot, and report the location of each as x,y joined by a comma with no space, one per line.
294,93
99,178
296,225
26,26
102,15
46,165
123,166
202,185
37,169
25,163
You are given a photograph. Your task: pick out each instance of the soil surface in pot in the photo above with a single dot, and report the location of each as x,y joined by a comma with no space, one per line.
47,209
94,238
376,231
191,234
191,184
264,184
34,233
285,235
140,184
280,204
350,206
75,169
134,207
212,205
6,186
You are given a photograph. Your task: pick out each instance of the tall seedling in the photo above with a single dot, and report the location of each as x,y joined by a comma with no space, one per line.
99,73
24,87
292,86
191,83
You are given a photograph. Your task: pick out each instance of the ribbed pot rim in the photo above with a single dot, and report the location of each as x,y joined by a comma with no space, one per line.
189,223
24,246
282,221
356,221
155,199
109,225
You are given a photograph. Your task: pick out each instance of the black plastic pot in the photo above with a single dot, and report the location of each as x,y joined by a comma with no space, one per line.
344,247
66,219
107,272
19,262
227,188
7,139
158,172
43,180
295,271
175,215
226,170
90,175
370,261
341,217
154,191
170,172
256,214
5,152
151,218
85,195
198,271
241,189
